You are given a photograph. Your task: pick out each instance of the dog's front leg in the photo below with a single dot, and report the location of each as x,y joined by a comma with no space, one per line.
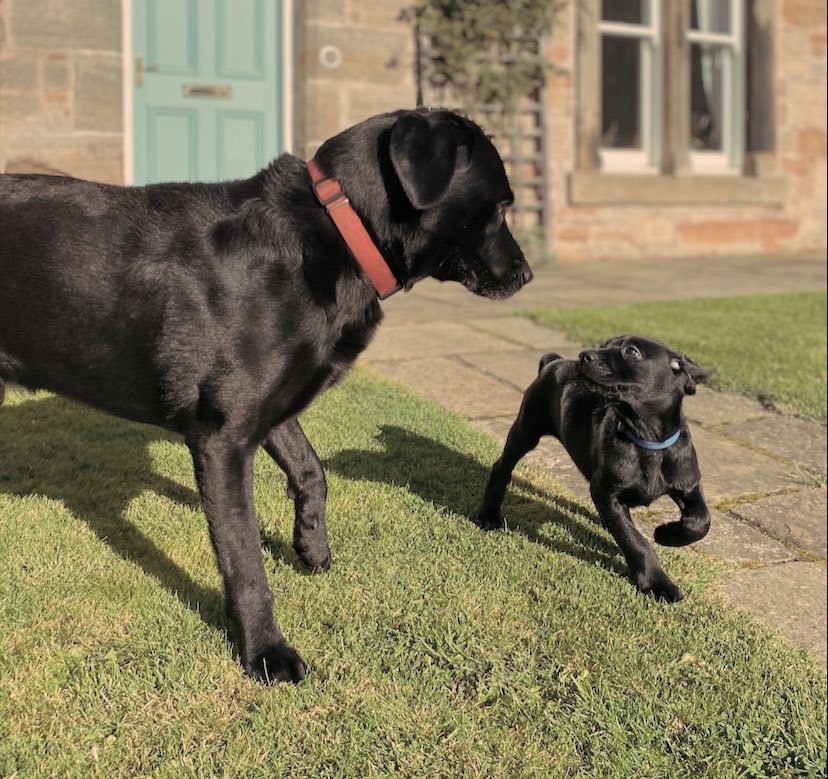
293,453
694,522
645,570
224,473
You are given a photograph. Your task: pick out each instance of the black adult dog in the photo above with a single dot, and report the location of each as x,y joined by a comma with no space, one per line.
618,412
220,311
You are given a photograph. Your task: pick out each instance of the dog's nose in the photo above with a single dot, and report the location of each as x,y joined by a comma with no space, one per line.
527,275
587,356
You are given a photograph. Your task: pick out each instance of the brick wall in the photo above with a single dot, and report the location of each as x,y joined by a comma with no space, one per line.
60,88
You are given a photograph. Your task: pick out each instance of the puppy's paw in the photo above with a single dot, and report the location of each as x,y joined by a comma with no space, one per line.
660,587
279,663
316,557
488,520
681,533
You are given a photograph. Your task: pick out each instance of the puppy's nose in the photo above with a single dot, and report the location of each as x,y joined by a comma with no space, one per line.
587,356
527,275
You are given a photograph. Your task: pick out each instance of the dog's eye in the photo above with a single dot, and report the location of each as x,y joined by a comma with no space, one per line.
632,351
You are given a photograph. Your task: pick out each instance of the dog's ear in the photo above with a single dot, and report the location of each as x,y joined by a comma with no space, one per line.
693,373
425,155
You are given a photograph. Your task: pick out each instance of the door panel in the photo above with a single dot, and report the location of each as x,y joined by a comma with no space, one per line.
207,88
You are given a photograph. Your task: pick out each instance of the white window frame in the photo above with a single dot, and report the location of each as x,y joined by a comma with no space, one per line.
647,158
730,160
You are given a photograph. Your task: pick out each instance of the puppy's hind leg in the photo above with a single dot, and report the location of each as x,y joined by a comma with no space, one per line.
694,522
523,437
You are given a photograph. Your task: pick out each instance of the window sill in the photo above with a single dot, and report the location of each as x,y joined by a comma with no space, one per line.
643,189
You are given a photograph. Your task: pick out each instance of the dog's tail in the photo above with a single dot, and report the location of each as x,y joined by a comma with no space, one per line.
687,530
547,358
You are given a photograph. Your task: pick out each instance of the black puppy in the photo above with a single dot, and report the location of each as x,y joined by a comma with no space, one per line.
221,310
617,410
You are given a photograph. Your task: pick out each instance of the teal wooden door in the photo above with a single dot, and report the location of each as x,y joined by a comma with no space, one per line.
207,89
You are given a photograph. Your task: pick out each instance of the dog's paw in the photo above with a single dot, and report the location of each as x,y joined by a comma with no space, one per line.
488,520
659,587
681,533
315,557
280,663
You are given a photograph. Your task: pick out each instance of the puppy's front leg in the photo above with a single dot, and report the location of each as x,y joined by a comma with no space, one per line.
694,522
645,570
293,453
224,473
523,437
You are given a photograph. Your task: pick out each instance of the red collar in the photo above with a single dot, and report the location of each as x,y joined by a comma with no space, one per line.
329,193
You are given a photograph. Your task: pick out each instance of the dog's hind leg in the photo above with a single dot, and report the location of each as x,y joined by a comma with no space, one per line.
224,473
523,437
293,453
694,522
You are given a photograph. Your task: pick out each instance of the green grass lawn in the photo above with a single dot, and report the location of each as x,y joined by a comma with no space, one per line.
771,347
435,650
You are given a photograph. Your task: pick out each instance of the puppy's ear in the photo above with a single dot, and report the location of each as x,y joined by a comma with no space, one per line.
424,154
693,373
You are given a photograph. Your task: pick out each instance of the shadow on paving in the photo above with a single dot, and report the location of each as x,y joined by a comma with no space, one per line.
96,465
455,481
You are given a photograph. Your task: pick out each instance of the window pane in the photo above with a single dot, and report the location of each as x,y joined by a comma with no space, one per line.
621,99
706,97
710,15
629,11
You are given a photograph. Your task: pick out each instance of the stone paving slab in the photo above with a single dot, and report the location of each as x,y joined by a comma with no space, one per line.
527,334
710,408
455,386
801,441
731,540
729,470
790,597
518,368
434,339
797,519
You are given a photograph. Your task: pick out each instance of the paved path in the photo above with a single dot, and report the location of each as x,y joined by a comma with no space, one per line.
763,473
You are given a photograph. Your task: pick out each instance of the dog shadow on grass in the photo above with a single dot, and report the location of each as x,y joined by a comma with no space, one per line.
96,465
455,481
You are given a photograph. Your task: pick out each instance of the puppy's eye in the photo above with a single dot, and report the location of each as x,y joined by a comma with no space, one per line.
632,351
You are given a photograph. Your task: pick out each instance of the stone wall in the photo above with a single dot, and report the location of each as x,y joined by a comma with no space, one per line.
354,59
61,110
780,209
60,88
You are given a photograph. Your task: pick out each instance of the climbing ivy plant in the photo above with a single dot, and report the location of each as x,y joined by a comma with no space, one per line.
484,52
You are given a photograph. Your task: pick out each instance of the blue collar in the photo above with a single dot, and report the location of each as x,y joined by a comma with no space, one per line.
653,445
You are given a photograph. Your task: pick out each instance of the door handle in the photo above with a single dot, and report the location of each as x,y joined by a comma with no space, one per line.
141,68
